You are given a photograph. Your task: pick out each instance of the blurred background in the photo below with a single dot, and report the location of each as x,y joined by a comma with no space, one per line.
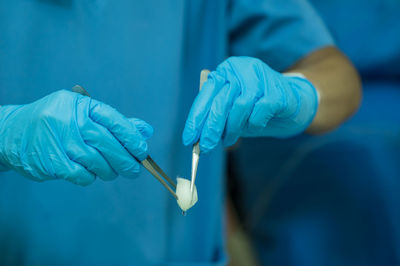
332,199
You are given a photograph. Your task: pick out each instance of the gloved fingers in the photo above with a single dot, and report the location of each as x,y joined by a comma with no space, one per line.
201,107
55,165
100,138
237,119
73,172
216,120
245,72
264,110
120,127
144,128
91,159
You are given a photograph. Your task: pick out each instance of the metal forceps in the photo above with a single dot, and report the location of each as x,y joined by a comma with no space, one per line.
196,147
147,163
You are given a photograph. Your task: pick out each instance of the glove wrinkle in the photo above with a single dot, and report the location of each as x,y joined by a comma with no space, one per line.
69,136
266,104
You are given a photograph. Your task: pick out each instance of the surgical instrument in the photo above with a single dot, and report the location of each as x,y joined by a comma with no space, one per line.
196,147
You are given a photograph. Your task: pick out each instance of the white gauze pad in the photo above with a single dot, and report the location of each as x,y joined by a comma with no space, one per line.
185,199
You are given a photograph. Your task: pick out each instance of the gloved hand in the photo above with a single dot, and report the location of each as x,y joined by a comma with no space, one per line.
69,136
244,97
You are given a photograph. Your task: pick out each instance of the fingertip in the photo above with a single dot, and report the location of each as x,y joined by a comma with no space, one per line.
201,107
86,180
256,122
136,145
142,155
94,107
207,143
83,180
204,149
260,120
188,135
148,131
143,127
229,141
85,183
210,80
131,173
108,177
263,111
140,152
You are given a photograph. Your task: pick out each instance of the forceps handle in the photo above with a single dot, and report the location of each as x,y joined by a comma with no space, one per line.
196,147
152,168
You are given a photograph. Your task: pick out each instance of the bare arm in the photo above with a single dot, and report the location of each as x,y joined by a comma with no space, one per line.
338,85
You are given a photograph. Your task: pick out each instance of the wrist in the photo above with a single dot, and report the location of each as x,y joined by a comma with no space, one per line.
302,76
307,99
310,99
5,112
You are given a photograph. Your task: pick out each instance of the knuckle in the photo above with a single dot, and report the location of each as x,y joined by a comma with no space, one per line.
205,148
271,104
265,101
234,60
242,103
85,182
220,68
253,122
78,176
130,168
229,141
138,148
63,93
213,128
190,125
256,61
102,172
210,139
106,174
275,106
46,115
256,122
215,131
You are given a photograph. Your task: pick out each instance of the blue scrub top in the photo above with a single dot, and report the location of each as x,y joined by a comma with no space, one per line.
334,199
143,58
368,32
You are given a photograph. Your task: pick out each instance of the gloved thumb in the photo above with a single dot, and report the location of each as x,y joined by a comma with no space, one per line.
144,128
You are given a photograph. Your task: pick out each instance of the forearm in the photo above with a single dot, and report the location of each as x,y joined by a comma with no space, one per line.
338,85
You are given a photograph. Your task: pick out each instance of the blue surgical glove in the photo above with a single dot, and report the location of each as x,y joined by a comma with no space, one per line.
244,97
69,136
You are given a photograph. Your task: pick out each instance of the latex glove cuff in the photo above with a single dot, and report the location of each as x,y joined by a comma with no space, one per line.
4,113
308,107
